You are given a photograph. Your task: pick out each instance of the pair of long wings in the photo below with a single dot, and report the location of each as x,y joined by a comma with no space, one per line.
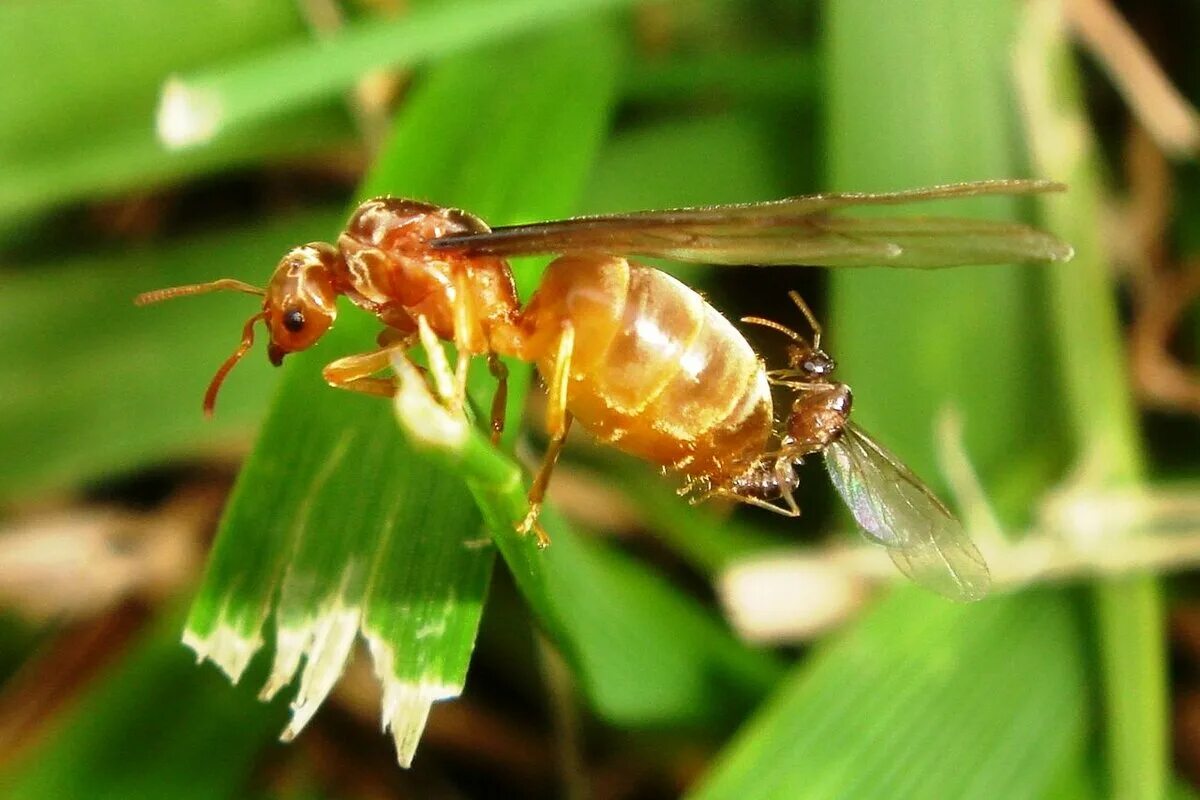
796,230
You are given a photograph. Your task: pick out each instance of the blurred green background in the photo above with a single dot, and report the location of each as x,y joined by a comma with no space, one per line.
297,541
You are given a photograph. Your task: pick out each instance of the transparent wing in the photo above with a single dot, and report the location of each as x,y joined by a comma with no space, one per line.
897,510
798,230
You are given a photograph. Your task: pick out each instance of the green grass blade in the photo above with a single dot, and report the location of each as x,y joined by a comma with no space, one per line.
333,510
78,405
921,699
644,653
331,480
786,76
1101,413
932,105
53,79
674,163
200,105
151,726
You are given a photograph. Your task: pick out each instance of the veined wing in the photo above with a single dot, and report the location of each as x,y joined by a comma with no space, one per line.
895,509
797,230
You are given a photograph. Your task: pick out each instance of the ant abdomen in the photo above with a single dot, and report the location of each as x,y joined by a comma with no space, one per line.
655,370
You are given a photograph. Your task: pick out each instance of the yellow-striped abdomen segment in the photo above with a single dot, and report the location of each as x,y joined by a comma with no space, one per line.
675,383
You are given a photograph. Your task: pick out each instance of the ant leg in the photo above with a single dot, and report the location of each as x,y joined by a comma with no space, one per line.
465,321
792,511
800,386
556,407
500,398
391,339
537,492
784,473
355,372
439,369
558,422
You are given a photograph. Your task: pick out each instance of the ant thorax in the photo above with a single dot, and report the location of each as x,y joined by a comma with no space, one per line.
817,417
386,250
390,268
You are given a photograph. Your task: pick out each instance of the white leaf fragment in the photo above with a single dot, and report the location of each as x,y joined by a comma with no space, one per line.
319,645
428,422
226,646
187,115
323,638
406,704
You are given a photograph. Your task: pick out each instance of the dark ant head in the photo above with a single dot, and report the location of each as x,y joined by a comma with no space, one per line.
301,299
805,358
812,361
299,305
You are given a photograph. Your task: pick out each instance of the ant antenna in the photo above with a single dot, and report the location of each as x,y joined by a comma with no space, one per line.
210,396
808,315
224,284
770,323
786,331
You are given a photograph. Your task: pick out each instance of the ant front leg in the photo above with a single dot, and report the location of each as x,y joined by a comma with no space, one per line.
356,373
466,320
558,423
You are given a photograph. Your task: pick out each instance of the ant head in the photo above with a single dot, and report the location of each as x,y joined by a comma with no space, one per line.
299,305
301,299
805,357
812,361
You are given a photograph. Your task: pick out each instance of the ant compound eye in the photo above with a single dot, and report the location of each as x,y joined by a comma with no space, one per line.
818,363
294,320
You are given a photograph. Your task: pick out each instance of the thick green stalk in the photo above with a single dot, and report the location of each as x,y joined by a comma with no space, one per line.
1099,407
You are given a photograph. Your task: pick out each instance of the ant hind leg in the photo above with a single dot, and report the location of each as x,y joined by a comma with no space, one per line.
558,422
791,511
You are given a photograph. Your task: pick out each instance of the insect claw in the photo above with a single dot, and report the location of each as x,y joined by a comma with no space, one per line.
531,525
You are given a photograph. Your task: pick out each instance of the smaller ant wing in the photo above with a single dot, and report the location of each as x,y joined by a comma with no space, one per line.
895,509
796,230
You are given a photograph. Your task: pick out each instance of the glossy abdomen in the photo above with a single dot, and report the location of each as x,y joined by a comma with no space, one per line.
656,370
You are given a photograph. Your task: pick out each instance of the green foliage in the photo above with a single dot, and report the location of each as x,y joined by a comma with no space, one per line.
921,699
152,726
404,564
277,81
67,332
341,527
1129,611
81,82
